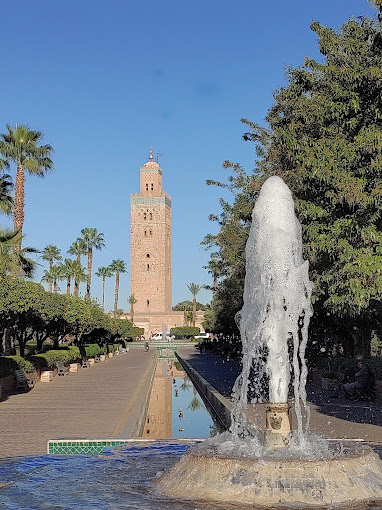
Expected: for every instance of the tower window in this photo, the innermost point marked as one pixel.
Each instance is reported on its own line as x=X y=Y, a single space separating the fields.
x=145 y=233
x=144 y=216
x=151 y=233
x=148 y=267
x=148 y=255
x=151 y=216
x=147 y=187
x=152 y=187
x=148 y=302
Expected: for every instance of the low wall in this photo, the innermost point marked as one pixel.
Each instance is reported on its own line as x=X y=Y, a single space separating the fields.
x=219 y=406
x=136 y=416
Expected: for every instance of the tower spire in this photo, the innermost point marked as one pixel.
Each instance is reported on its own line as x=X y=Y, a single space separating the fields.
x=151 y=154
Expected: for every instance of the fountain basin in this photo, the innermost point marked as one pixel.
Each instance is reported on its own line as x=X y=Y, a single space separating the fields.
x=352 y=475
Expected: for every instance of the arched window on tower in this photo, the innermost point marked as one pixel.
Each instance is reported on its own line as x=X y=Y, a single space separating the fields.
x=151 y=216
x=148 y=302
x=147 y=186
x=145 y=233
x=152 y=187
x=148 y=256
x=150 y=233
x=148 y=267
x=144 y=216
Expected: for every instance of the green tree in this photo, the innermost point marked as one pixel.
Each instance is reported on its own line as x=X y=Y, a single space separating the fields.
x=324 y=141
x=78 y=248
x=92 y=239
x=68 y=271
x=21 y=146
x=104 y=272
x=194 y=288
x=117 y=266
x=52 y=276
x=6 y=200
x=52 y=254
x=79 y=275
x=132 y=300
x=15 y=262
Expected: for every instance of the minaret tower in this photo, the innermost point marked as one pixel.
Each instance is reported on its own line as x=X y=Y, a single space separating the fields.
x=151 y=242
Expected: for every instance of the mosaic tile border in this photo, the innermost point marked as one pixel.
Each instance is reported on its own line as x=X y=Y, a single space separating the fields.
x=81 y=446
x=98 y=446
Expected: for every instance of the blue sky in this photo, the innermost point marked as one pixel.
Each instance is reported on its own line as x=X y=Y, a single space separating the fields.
x=105 y=80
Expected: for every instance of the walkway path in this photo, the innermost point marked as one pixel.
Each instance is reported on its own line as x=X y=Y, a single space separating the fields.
x=331 y=418
x=96 y=402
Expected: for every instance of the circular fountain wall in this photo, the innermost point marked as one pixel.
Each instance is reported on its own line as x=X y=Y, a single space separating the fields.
x=351 y=474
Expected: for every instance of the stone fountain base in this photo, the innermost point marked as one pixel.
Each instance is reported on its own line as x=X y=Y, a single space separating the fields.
x=352 y=475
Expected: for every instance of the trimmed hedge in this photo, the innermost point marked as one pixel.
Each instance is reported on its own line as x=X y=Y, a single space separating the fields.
x=184 y=331
x=10 y=363
x=48 y=359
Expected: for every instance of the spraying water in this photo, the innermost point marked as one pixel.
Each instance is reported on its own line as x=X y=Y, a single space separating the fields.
x=275 y=316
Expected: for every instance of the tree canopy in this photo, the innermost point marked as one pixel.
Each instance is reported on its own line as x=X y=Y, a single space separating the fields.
x=325 y=141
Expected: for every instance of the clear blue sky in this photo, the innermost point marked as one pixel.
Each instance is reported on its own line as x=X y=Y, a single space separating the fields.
x=105 y=80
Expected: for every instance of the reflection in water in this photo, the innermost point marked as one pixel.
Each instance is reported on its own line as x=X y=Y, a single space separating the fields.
x=175 y=408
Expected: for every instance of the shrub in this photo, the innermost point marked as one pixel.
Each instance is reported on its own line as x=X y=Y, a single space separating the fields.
x=48 y=359
x=92 y=350
x=184 y=331
x=10 y=363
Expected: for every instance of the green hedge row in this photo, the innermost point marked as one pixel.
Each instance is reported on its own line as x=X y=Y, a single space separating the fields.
x=10 y=363
x=184 y=331
x=48 y=359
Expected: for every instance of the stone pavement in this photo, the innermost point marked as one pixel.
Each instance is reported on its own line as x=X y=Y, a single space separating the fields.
x=336 y=419
x=95 y=402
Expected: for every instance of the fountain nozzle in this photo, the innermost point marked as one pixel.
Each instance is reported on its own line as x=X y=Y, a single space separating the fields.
x=278 y=427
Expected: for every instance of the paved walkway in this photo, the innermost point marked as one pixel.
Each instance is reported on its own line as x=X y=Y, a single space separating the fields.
x=95 y=402
x=340 y=419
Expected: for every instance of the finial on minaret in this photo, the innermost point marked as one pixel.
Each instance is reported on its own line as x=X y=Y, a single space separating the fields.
x=151 y=154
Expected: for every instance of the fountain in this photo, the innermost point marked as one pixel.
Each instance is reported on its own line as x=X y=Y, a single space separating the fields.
x=280 y=466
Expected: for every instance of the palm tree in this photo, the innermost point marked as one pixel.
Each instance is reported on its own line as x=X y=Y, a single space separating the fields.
x=21 y=146
x=92 y=239
x=194 y=288
x=195 y=403
x=79 y=275
x=52 y=275
x=6 y=200
x=67 y=272
x=117 y=266
x=104 y=272
x=15 y=262
x=131 y=299
x=52 y=254
x=78 y=248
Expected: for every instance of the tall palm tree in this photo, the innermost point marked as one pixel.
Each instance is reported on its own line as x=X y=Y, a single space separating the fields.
x=117 y=266
x=92 y=240
x=52 y=254
x=79 y=275
x=104 y=272
x=78 y=248
x=6 y=200
x=194 y=288
x=67 y=272
x=52 y=275
x=15 y=262
x=131 y=299
x=21 y=146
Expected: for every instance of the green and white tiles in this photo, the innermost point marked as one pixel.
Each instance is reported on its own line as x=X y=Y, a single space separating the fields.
x=81 y=446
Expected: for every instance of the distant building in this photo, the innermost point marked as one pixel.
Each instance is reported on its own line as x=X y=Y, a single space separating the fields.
x=151 y=253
